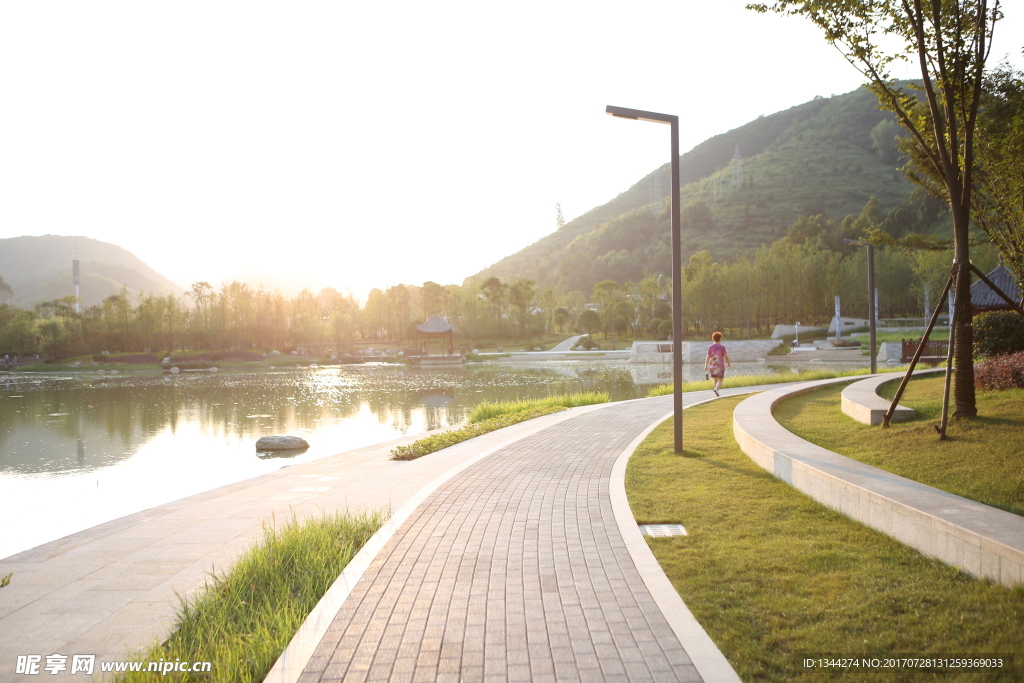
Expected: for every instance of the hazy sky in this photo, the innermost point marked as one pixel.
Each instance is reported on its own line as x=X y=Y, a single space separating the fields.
x=366 y=144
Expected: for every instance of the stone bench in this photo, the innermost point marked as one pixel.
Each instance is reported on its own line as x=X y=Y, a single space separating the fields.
x=861 y=401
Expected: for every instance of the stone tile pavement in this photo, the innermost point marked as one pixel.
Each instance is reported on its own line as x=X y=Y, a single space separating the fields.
x=513 y=570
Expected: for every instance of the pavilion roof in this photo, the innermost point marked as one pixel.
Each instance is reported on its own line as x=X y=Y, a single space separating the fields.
x=984 y=299
x=435 y=325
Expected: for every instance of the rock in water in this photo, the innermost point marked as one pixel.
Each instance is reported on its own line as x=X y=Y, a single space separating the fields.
x=281 y=443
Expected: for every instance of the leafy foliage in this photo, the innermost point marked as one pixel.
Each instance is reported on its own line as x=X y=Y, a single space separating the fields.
x=998 y=332
x=1001 y=372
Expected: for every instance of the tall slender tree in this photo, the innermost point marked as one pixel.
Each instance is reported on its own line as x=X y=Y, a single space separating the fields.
x=950 y=42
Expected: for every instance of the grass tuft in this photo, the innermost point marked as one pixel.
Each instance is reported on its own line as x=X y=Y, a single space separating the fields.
x=486 y=411
x=488 y=417
x=243 y=619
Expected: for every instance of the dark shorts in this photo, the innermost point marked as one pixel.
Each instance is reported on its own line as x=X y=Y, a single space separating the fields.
x=719 y=374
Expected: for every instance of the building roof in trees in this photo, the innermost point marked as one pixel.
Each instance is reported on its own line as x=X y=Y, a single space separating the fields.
x=435 y=325
x=984 y=299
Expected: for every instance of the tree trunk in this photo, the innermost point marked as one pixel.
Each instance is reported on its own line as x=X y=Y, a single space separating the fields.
x=963 y=354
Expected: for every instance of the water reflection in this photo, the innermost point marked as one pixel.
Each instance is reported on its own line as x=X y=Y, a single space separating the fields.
x=79 y=450
x=82 y=449
x=68 y=424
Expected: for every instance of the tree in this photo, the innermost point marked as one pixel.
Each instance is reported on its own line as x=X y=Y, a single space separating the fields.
x=590 y=321
x=520 y=295
x=496 y=292
x=998 y=196
x=431 y=297
x=559 y=218
x=999 y=205
x=950 y=41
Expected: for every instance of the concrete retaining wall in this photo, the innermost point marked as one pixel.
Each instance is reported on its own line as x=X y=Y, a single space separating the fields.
x=861 y=401
x=979 y=539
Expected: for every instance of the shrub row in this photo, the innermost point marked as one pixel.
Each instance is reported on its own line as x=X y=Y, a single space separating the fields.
x=1000 y=372
x=997 y=333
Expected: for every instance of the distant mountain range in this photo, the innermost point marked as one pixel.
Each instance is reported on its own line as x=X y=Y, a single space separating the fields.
x=740 y=190
x=40 y=269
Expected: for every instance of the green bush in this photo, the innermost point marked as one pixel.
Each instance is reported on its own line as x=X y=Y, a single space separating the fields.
x=665 y=329
x=1000 y=372
x=587 y=343
x=997 y=333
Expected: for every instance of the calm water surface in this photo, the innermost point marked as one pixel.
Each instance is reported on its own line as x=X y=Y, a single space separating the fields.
x=80 y=449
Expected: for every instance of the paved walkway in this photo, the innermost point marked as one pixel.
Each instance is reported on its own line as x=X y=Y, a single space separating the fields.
x=516 y=570
x=567 y=344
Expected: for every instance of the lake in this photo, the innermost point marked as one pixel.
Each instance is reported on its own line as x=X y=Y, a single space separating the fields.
x=79 y=449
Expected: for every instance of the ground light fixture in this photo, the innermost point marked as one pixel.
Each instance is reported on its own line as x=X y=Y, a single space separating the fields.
x=677 y=263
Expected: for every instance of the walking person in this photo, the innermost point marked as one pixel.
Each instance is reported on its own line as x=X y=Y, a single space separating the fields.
x=716 y=362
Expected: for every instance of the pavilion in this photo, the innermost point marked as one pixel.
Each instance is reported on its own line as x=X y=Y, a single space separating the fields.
x=437 y=328
x=984 y=299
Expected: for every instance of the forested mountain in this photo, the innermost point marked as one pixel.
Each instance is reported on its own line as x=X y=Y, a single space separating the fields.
x=39 y=269
x=740 y=190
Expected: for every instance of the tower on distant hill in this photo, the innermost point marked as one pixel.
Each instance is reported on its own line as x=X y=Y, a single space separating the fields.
x=737 y=168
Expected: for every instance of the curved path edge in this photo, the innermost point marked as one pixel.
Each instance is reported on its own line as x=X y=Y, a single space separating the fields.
x=709 y=661
x=979 y=539
x=861 y=401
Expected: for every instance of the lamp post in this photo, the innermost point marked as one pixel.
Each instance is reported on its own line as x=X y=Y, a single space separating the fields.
x=677 y=263
x=872 y=322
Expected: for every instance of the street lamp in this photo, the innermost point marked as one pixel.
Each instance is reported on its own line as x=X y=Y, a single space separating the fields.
x=677 y=263
x=871 y=300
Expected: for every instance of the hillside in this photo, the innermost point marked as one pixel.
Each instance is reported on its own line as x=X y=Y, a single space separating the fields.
x=39 y=269
x=816 y=158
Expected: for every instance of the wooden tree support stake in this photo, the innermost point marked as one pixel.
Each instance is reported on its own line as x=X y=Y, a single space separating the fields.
x=920 y=350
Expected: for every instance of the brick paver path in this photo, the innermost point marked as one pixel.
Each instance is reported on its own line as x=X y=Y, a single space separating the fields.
x=513 y=569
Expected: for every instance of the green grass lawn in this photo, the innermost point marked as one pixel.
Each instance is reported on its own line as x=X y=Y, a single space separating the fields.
x=769 y=378
x=981 y=459
x=772 y=575
x=938 y=334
